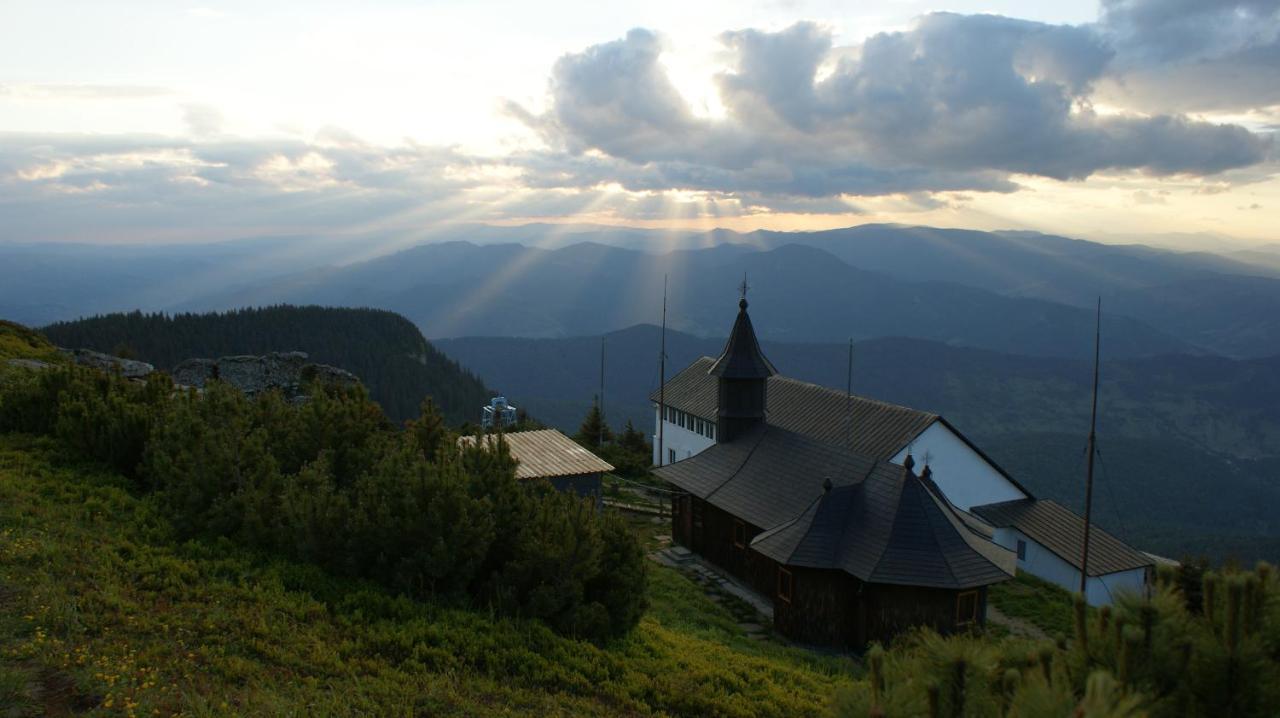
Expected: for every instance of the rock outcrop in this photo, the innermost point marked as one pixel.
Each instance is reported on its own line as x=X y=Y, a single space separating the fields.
x=289 y=372
x=128 y=368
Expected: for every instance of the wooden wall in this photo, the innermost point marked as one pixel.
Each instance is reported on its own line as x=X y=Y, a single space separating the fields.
x=827 y=607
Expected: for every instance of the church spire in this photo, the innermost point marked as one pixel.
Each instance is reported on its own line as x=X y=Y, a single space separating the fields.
x=742 y=358
x=743 y=371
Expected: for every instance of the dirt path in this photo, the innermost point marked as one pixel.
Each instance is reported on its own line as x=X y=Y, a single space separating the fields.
x=1017 y=626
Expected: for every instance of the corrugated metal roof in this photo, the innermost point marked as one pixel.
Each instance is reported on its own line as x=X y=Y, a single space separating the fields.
x=878 y=522
x=1061 y=530
x=868 y=427
x=546 y=453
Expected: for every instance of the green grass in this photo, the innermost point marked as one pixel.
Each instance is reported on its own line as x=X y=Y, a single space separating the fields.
x=1046 y=605
x=19 y=342
x=102 y=611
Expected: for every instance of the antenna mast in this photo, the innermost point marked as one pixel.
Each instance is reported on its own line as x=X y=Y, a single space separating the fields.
x=1093 y=439
x=603 y=426
x=848 y=396
x=662 y=376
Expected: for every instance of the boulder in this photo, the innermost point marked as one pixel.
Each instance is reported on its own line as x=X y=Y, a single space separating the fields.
x=288 y=372
x=33 y=364
x=128 y=368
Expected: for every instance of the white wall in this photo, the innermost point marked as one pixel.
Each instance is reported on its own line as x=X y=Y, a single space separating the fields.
x=1043 y=563
x=685 y=442
x=962 y=474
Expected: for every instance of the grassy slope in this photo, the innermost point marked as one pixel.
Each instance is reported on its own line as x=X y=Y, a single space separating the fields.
x=100 y=610
x=1039 y=602
x=19 y=342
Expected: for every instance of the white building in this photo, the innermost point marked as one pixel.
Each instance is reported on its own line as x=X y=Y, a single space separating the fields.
x=498 y=413
x=1042 y=532
x=1047 y=539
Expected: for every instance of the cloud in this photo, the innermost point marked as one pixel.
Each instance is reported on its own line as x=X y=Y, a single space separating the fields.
x=202 y=120
x=85 y=92
x=1192 y=55
x=88 y=186
x=955 y=103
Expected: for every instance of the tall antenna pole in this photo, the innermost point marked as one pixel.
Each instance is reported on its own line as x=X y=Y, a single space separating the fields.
x=662 y=376
x=602 y=423
x=848 y=396
x=1093 y=439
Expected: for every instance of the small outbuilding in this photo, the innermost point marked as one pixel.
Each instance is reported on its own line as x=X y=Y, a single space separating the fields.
x=550 y=455
x=1047 y=539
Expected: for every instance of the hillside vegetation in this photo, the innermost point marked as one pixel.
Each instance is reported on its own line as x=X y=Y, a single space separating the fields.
x=104 y=609
x=383 y=349
x=222 y=556
x=19 y=342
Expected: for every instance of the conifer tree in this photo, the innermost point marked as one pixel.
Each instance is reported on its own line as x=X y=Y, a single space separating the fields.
x=594 y=432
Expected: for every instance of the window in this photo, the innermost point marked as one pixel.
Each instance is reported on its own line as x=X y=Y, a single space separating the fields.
x=711 y=432
x=1022 y=550
x=784 y=584
x=671 y=456
x=966 y=608
x=739 y=534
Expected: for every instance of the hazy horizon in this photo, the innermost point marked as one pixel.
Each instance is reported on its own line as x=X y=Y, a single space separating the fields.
x=1123 y=121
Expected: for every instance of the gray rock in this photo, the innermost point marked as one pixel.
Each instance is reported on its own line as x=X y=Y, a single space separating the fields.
x=288 y=372
x=33 y=364
x=128 y=368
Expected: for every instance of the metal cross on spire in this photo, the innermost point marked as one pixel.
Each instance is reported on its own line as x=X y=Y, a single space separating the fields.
x=742 y=288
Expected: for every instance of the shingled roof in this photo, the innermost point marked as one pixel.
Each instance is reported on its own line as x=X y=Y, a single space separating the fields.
x=868 y=427
x=874 y=520
x=1061 y=530
x=742 y=358
x=547 y=453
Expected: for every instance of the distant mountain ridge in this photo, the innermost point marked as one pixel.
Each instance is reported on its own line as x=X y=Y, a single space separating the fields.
x=384 y=350
x=803 y=293
x=1010 y=291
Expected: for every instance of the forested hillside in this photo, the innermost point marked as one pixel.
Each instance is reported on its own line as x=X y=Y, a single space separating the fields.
x=383 y=349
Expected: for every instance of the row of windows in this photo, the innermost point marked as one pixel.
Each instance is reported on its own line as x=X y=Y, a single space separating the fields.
x=685 y=420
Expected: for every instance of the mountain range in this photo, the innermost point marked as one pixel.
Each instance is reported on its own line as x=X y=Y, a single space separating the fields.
x=1013 y=292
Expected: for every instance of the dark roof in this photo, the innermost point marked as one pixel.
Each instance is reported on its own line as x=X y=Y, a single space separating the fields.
x=742 y=358
x=546 y=453
x=879 y=429
x=878 y=522
x=1061 y=530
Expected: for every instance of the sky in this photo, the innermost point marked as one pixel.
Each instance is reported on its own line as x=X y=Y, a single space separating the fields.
x=1125 y=120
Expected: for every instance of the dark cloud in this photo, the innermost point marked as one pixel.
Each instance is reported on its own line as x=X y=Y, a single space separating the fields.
x=1193 y=55
x=956 y=103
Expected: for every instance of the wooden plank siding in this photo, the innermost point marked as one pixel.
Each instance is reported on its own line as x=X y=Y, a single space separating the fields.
x=826 y=607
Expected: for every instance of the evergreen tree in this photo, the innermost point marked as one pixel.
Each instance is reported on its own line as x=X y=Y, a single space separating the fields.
x=634 y=440
x=594 y=432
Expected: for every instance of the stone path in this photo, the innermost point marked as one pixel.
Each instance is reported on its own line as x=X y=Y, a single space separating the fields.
x=722 y=589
